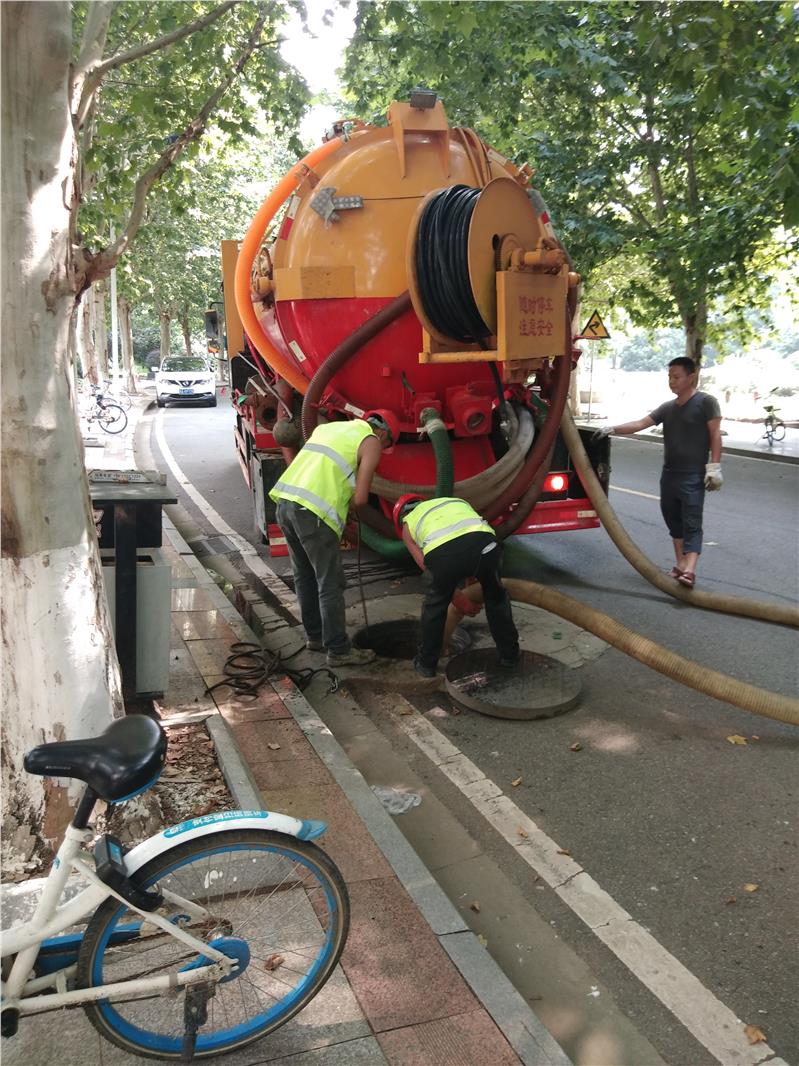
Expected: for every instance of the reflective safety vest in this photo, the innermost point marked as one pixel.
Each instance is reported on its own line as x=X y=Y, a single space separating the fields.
x=322 y=476
x=434 y=522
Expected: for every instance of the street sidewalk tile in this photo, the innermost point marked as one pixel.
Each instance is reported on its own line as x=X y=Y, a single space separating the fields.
x=238 y=709
x=395 y=964
x=209 y=655
x=467 y=1038
x=284 y=774
x=191 y=599
x=254 y=738
x=347 y=841
x=201 y=625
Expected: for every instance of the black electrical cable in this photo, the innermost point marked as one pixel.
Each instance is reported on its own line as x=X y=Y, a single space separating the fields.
x=442 y=265
x=250 y=666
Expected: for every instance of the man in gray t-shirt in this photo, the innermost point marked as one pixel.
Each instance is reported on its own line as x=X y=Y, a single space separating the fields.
x=691 y=432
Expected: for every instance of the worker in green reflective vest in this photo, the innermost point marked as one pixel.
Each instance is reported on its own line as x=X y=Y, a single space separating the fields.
x=451 y=542
x=331 y=472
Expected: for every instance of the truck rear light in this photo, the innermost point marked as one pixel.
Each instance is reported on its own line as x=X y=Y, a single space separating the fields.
x=556 y=483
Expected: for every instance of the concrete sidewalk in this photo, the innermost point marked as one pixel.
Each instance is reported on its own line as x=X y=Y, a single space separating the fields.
x=415 y=987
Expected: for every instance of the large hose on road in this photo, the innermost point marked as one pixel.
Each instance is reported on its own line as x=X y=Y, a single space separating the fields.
x=711 y=601
x=711 y=682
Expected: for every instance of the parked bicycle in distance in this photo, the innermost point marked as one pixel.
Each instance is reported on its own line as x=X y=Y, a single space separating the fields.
x=202 y=939
x=775 y=427
x=110 y=416
x=118 y=394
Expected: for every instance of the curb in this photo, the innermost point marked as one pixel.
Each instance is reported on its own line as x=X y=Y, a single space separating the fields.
x=522 y=1028
x=727 y=449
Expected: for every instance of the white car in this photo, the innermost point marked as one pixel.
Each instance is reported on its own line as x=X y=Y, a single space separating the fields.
x=184 y=377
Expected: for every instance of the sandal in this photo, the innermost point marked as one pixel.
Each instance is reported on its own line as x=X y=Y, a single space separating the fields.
x=675 y=572
x=687 y=578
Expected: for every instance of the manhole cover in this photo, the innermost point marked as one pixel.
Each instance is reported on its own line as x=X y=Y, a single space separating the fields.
x=539 y=687
x=399 y=639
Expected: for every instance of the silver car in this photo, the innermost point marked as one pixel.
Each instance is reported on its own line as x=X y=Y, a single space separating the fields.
x=185 y=377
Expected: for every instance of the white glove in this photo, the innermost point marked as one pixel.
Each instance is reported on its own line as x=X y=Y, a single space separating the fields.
x=713 y=477
x=601 y=433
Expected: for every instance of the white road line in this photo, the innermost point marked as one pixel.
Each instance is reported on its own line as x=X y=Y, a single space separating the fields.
x=632 y=492
x=249 y=555
x=708 y=1020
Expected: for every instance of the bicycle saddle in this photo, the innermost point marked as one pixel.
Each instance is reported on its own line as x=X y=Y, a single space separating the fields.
x=126 y=758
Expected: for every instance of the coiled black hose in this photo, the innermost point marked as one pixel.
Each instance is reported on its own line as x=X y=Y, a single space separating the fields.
x=442 y=265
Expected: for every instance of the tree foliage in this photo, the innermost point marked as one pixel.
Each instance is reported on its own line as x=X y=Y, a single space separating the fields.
x=662 y=132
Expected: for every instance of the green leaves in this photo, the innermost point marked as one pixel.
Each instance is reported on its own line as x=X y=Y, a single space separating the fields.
x=666 y=130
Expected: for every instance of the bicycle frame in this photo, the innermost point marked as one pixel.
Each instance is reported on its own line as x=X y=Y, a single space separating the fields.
x=51 y=917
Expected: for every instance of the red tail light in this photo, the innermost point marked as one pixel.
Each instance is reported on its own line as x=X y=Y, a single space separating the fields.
x=556 y=482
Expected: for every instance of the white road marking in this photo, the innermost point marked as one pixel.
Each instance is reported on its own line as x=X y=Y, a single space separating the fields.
x=249 y=555
x=707 y=1019
x=632 y=492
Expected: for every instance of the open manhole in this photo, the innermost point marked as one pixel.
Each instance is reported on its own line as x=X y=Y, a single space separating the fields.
x=538 y=687
x=399 y=639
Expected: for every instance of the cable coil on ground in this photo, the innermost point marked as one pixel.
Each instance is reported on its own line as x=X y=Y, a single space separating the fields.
x=250 y=666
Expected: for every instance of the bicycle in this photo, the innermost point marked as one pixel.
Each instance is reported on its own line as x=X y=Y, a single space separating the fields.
x=204 y=938
x=118 y=394
x=109 y=416
x=775 y=427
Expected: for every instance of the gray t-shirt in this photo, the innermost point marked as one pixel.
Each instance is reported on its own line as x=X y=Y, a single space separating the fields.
x=686 y=438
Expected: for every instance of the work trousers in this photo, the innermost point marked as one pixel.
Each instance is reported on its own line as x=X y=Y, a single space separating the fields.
x=445 y=568
x=682 y=501
x=315 y=553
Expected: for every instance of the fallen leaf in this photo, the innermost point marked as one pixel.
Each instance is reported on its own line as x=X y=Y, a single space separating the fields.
x=482 y=940
x=518 y=781
x=475 y=906
x=751 y=888
x=754 y=1034
x=576 y=746
x=732 y=899
x=563 y=851
x=736 y=738
x=273 y=747
x=271 y=962
x=405 y=708
x=522 y=832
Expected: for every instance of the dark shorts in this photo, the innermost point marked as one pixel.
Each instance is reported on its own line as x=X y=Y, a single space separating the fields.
x=682 y=500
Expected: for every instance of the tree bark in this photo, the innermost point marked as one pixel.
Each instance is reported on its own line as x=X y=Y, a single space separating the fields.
x=126 y=337
x=165 y=322
x=184 y=325
x=100 y=330
x=85 y=345
x=61 y=677
x=695 y=325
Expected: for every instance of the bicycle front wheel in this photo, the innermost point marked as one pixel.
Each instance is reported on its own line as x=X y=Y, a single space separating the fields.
x=778 y=431
x=279 y=905
x=112 y=418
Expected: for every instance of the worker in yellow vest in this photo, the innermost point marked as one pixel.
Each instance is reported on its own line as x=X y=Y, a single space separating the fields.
x=331 y=472
x=451 y=542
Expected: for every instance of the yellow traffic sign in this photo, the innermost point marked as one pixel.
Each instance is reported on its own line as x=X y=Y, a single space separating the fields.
x=594 y=329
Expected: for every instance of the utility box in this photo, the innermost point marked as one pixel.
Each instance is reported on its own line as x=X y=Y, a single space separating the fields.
x=153 y=615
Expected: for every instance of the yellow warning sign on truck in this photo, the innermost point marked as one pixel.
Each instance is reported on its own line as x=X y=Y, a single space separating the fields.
x=594 y=329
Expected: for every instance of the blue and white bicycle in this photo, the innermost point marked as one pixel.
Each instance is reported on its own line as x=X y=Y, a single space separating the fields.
x=200 y=940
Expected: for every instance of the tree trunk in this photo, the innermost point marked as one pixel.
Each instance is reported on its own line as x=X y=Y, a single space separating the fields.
x=165 y=321
x=61 y=678
x=126 y=338
x=695 y=325
x=184 y=325
x=100 y=329
x=85 y=344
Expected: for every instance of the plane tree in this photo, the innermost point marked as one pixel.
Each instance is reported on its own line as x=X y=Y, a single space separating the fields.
x=99 y=102
x=664 y=134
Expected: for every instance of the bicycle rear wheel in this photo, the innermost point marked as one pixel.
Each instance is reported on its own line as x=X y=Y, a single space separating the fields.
x=112 y=418
x=278 y=904
x=778 y=431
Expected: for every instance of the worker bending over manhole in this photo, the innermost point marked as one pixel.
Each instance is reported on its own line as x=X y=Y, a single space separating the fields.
x=450 y=541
